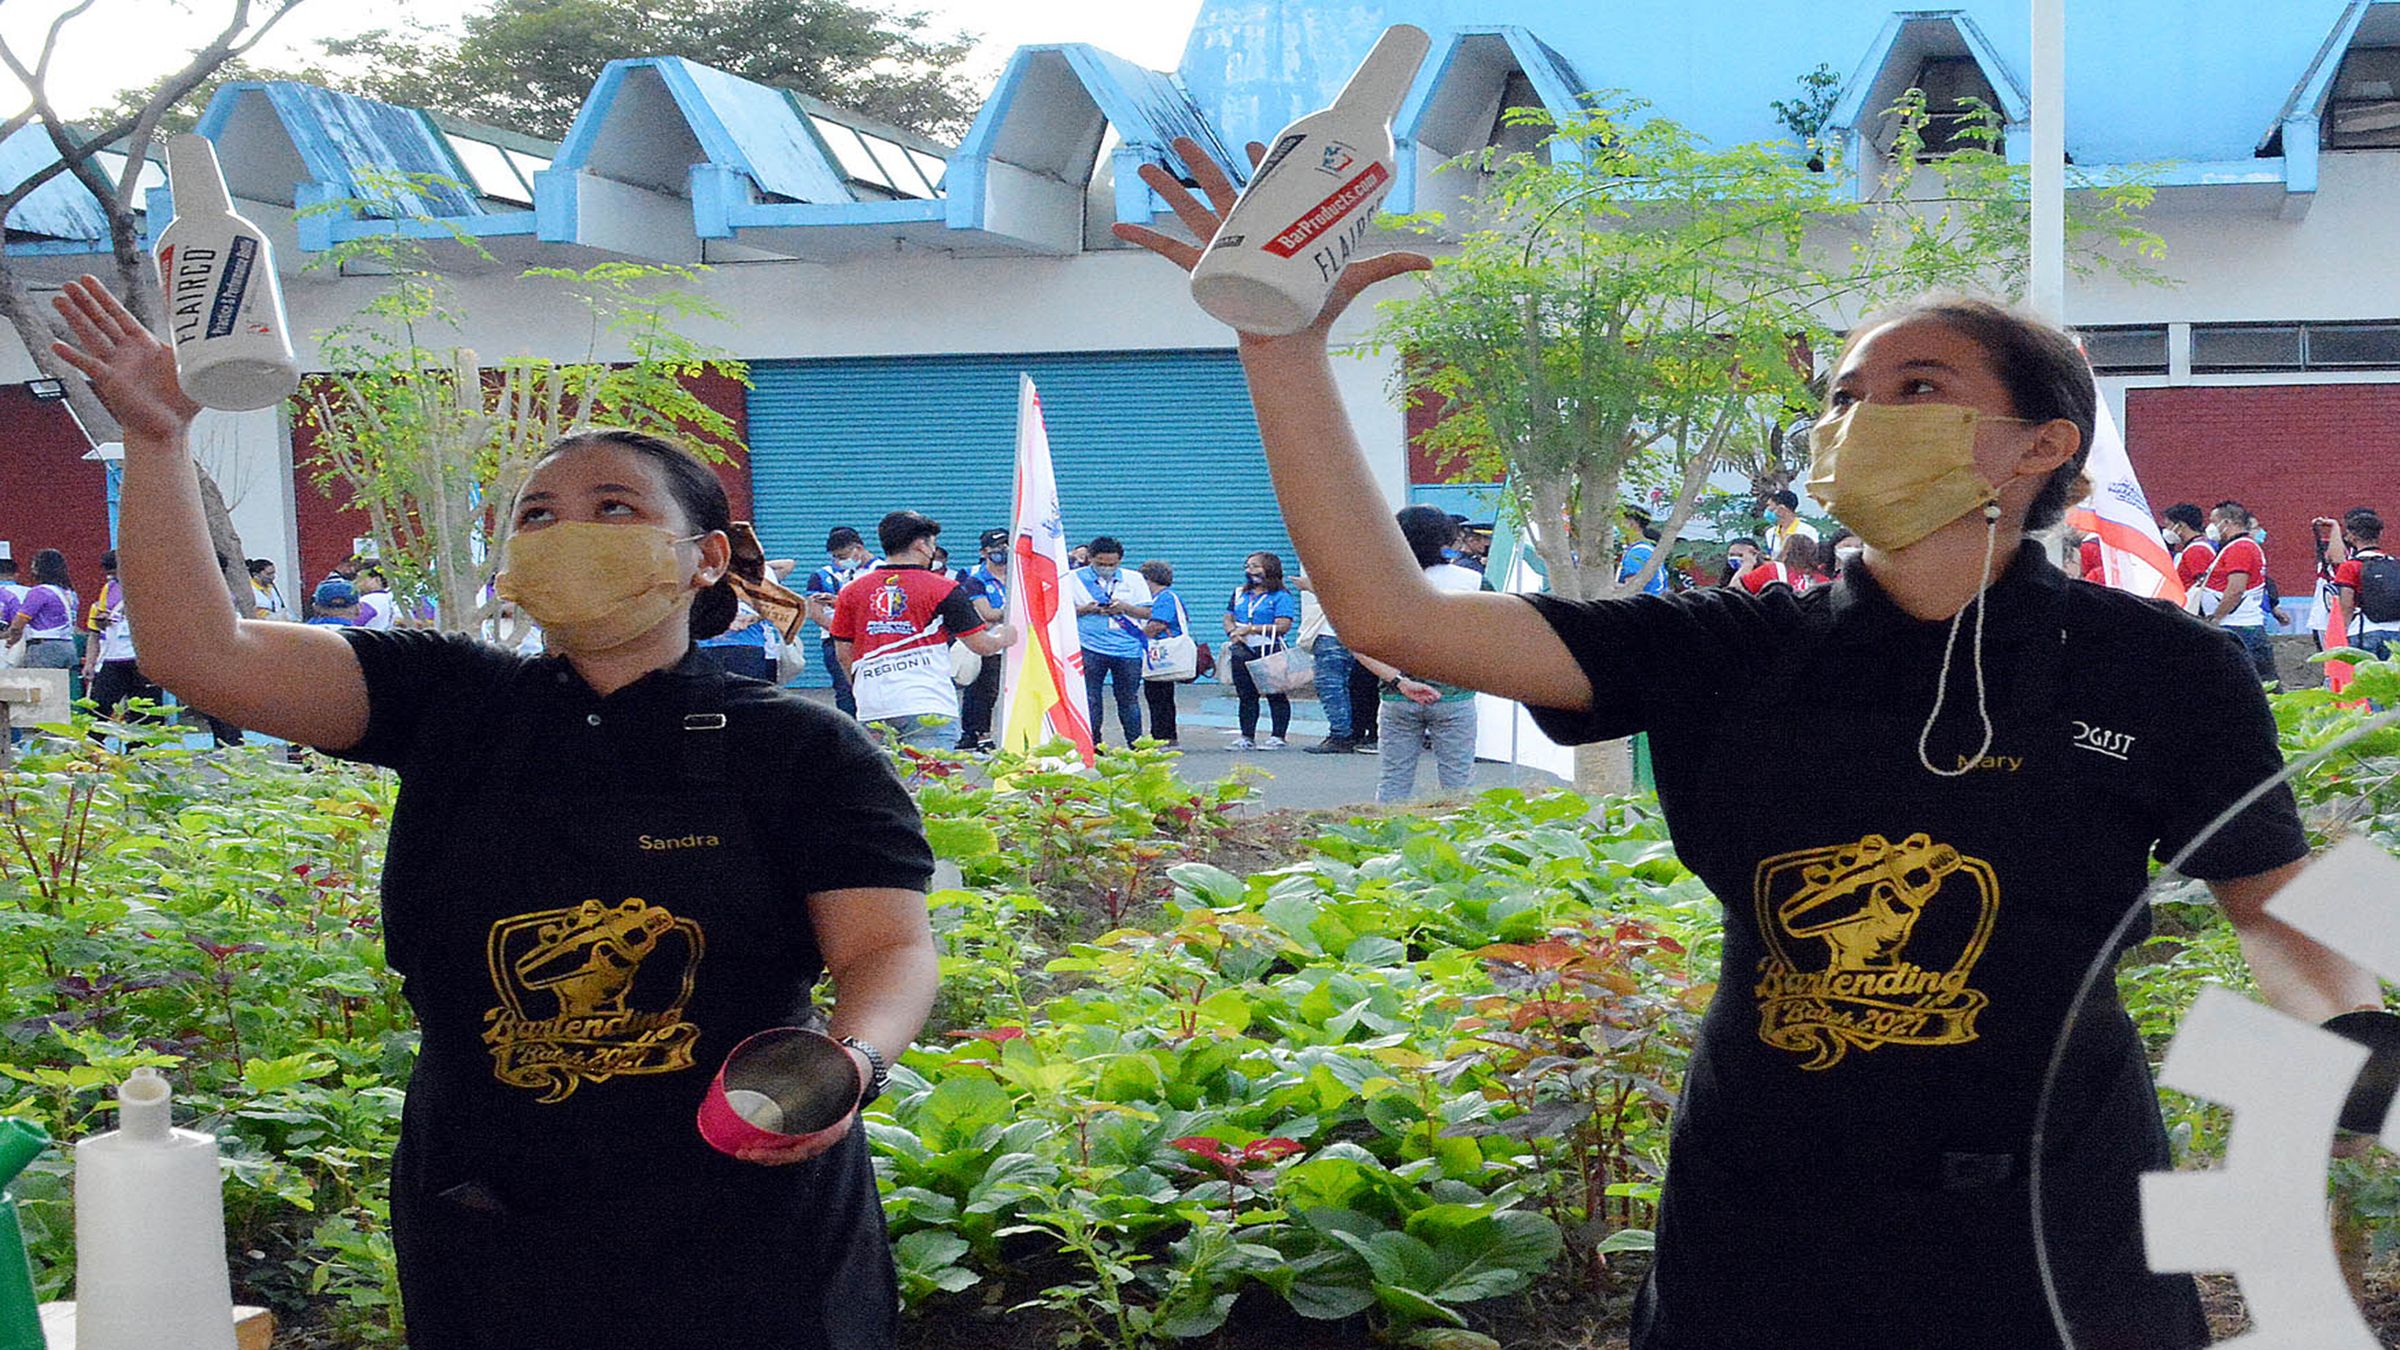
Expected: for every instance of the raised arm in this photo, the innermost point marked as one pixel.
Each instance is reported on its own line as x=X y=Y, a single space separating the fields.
x=288 y=680
x=1357 y=562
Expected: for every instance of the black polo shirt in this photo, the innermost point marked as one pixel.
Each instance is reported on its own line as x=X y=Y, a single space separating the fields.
x=1903 y=949
x=833 y=815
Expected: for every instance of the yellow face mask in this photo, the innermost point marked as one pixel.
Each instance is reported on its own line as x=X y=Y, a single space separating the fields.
x=1896 y=472
x=594 y=586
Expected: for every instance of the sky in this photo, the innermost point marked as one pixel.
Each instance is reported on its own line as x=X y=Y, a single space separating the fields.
x=121 y=43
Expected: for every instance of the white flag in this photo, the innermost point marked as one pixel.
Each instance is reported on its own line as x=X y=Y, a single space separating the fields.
x=2132 y=555
x=1041 y=677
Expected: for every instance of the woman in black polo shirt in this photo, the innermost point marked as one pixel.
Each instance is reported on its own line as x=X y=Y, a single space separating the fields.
x=585 y=895
x=1848 y=1165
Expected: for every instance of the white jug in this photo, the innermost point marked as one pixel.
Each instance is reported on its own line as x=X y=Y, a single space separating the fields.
x=150 y=1267
x=233 y=347
x=1311 y=200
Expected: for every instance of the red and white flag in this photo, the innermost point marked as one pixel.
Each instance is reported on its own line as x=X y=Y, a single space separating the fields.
x=1041 y=679
x=2133 y=556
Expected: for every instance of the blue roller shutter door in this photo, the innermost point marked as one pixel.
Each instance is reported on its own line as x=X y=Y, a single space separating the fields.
x=1157 y=448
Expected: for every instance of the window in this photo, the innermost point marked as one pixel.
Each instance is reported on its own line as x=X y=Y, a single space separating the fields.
x=1949 y=82
x=932 y=166
x=2231 y=346
x=2126 y=351
x=2353 y=346
x=856 y=162
x=489 y=171
x=2364 y=112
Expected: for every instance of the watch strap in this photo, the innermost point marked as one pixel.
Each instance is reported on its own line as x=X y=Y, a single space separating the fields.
x=880 y=1070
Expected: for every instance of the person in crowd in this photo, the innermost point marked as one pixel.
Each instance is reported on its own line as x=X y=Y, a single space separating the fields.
x=45 y=617
x=2186 y=533
x=1167 y=620
x=376 y=605
x=687 y=854
x=940 y=565
x=986 y=584
x=748 y=647
x=1334 y=666
x=1740 y=556
x=334 y=604
x=2365 y=578
x=1844 y=548
x=1422 y=712
x=1839 y=1178
x=1261 y=611
x=1784 y=522
x=1797 y=569
x=12 y=599
x=2237 y=590
x=892 y=629
x=111 y=674
x=1474 y=547
x=845 y=557
x=2088 y=562
x=1366 y=708
x=346 y=571
x=1640 y=546
x=1079 y=556
x=266 y=598
x=1111 y=605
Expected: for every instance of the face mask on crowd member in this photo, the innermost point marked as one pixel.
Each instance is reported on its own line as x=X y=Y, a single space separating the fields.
x=1106 y=556
x=1255 y=575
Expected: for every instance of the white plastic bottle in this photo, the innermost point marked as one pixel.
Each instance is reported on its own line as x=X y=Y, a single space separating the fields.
x=150 y=1268
x=1311 y=200
x=233 y=348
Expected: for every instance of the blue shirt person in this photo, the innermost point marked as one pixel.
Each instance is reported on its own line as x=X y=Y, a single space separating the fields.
x=1637 y=556
x=1111 y=604
x=846 y=556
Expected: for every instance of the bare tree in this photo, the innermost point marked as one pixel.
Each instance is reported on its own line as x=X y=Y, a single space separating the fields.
x=128 y=270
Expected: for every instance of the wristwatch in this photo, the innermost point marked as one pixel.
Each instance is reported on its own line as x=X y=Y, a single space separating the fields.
x=880 y=1074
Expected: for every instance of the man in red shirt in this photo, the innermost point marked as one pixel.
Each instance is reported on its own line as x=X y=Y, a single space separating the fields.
x=892 y=628
x=2186 y=534
x=2367 y=578
x=2236 y=587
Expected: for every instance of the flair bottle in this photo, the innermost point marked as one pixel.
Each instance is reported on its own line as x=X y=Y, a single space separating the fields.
x=233 y=348
x=1311 y=201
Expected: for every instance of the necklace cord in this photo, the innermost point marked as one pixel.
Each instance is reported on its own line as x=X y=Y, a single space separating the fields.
x=1983 y=711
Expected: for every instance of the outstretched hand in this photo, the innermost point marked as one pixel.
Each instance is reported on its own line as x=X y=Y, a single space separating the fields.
x=131 y=370
x=1203 y=218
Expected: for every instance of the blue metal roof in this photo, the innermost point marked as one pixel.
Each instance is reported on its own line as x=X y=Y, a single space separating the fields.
x=59 y=209
x=2194 y=80
x=750 y=128
x=346 y=141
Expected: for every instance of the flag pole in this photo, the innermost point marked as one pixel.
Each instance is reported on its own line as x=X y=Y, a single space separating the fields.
x=2046 y=286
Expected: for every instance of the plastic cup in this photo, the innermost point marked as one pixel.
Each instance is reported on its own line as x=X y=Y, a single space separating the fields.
x=780 y=1088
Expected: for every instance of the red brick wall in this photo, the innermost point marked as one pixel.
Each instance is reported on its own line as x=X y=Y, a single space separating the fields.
x=50 y=495
x=1425 y=411
x=328 y=524
x=2289 y=452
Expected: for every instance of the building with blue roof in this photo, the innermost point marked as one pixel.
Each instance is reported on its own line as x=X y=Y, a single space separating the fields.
x=887 y=288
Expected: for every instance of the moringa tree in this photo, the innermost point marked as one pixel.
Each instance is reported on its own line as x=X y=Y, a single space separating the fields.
x=430 y=443
x=1629 y=310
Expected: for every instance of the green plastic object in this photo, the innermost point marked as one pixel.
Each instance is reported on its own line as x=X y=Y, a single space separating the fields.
x=21 y=1141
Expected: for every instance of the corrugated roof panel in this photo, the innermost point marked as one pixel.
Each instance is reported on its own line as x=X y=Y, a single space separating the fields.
x=763 y=131
x=346 y=139
x=1149 y=107
x=59 y=209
